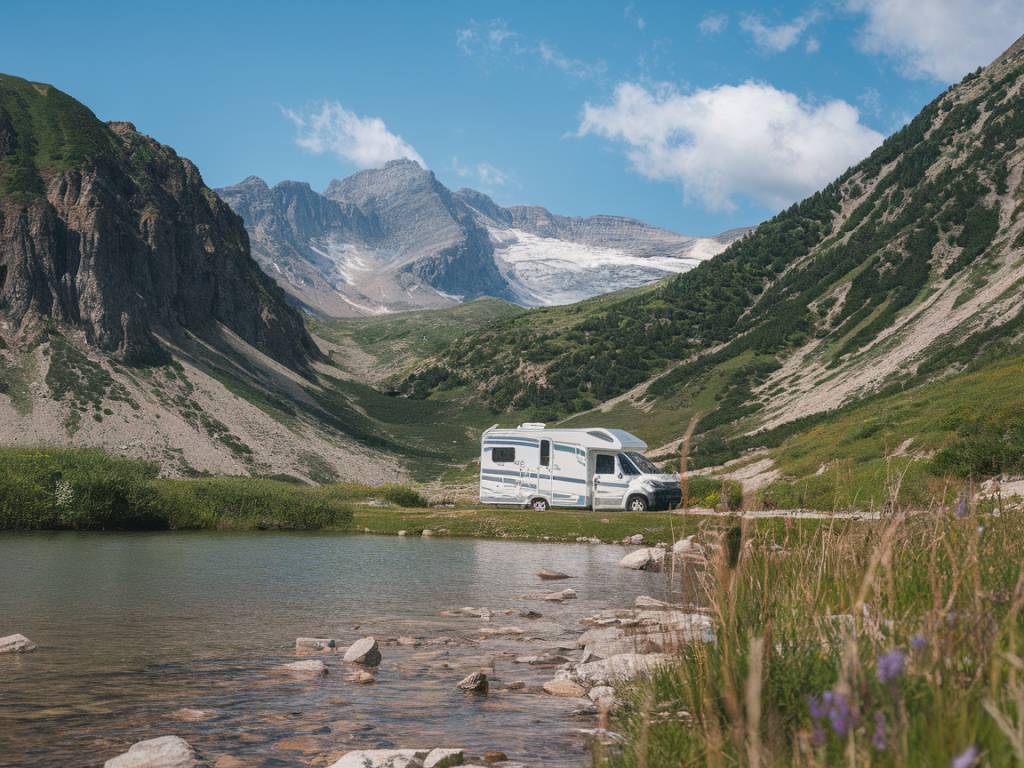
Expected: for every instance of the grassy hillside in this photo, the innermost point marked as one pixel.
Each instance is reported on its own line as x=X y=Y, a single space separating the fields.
x=378 y=347
x=905 y=269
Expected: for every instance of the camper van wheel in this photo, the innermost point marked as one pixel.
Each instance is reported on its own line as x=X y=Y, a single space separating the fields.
x=539 y=505
x=637 y=504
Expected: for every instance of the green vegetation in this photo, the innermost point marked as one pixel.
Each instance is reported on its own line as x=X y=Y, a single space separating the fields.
x=934 y=437
x=396 y=344
x=91 y=490
x=885 y=644
x=49 y=131
x=83 y=383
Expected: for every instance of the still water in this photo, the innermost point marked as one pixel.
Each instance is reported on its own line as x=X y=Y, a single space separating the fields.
x=133 y=627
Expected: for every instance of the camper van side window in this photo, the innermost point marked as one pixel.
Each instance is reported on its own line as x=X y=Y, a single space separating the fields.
x=605 y=464
x=545 y=453
x=501 y=455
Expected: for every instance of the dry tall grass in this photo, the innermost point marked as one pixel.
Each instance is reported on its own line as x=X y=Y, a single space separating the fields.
x=884 y=643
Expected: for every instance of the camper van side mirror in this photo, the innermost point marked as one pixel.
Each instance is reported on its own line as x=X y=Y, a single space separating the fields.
x=619 y=475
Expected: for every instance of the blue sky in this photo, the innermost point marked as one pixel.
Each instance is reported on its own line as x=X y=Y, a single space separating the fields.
x=694 y=116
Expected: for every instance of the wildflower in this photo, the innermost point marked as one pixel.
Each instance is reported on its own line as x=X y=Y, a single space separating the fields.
x=961 y=507
x=891 y=665
x=878 y=738
x=917 y=642
x=841 y=717
x=965 y=759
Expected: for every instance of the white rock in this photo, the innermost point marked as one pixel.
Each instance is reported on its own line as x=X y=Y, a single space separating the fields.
x=476 y=681
x=638 y=560
x=401 y=758
x=162 y=752
x=16 y=644
x=644 y=601
x=364 y=651
x=636 y=538
x=624 y=666
x=427 y=533
x=308 y=667
x=315 y=643
x=402 y=533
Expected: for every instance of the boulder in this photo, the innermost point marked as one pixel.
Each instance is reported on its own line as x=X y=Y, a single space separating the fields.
x=315 y=644
x=564 y=688
x=636 y=538
x=311 y=667
x=604 y=697
x=402 y=533
x=645 y=559
x=364 y=651
x=494 y=756
x=162 y=752
x=362 y=677
x=427 y=533
x=476 y=682
x=16 y=644
x=552 y=575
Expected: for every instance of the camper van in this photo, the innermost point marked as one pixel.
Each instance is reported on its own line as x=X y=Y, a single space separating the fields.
x=598 y=468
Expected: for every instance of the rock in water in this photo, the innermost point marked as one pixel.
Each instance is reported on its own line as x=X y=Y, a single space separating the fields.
x=552 y=575
x=565 y=688
x=476 y=682
x=315 y=644
x=401 y=758
x=16 y=644
x=362 y=677
x=162 y=752
x=364 y=651
x=312 y=667
x=646 y=559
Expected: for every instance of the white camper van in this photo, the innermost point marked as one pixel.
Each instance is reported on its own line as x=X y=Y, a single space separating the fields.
x=531 y=465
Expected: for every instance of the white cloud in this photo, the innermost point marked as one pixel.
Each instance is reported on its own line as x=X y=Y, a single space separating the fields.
x=572 y=67
x=487 y=175
x=713 y=23
x=779 y=37
x=634 y=17
x=494 y=40
x=941 y=39
x=329 y=128
x=751 y=140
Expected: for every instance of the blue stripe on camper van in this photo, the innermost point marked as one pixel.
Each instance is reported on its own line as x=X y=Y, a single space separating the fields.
x=534 y=475
x=509 y=441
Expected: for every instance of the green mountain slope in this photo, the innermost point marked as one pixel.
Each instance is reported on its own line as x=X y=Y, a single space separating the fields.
x=906 y=268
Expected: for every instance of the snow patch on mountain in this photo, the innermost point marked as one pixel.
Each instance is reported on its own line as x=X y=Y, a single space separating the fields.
x=546 y=271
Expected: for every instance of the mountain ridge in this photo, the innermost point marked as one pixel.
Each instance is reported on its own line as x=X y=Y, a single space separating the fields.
x=402 y=240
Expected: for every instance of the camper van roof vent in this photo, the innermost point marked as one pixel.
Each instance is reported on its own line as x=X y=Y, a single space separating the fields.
x=532 y=425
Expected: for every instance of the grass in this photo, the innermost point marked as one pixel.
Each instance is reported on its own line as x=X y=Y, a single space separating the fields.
x=848 y=460
x=87 y=489
x=895 y=643
x=398 y=343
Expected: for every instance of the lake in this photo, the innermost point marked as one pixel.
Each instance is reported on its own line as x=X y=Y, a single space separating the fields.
x=132 y=627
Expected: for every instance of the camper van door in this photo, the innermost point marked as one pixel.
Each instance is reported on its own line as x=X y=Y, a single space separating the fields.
x=608 y=486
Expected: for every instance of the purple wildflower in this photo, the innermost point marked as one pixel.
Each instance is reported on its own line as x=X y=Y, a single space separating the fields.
x=961 y=507
x=917 y=642
x=891 y=665
x=878 y=738
x=817 y=707
x=965 y=759
x=841 y=717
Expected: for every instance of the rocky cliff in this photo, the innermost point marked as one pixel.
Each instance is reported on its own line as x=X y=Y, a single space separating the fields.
x=107 y=230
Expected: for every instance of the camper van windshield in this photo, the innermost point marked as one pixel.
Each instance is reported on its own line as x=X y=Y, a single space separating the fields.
x=642 y=463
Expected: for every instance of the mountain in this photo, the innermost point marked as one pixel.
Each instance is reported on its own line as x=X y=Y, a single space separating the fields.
x=395 y=238
x=107 y=230
x=907 y=269
x=133 y=317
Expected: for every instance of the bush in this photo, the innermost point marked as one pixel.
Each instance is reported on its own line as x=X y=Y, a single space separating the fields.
x=403 y=496
x=707 y=492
